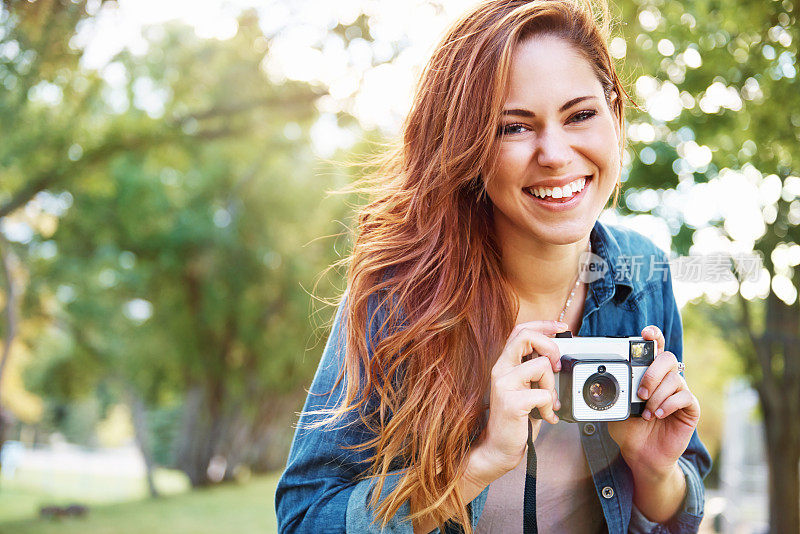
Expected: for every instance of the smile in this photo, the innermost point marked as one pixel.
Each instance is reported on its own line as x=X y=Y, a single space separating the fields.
x=571 y=194
x=563 y=193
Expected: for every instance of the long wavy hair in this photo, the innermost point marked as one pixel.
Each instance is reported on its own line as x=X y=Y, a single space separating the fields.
x=425 y=253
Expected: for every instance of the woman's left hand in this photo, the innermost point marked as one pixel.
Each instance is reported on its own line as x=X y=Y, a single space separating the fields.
x=653 y=443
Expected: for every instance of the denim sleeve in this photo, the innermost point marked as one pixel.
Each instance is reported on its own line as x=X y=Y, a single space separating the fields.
x=695 y=461
x=323 y=488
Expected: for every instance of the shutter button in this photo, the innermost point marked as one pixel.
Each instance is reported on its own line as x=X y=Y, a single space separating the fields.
x=608 y=492
x=588 y=429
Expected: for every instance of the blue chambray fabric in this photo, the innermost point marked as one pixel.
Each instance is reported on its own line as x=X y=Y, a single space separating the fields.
x=323 y=489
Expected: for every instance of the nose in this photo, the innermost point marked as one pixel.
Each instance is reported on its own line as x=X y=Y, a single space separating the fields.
x=553 y=150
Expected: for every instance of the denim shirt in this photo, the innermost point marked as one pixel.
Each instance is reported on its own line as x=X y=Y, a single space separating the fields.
x=323 y=488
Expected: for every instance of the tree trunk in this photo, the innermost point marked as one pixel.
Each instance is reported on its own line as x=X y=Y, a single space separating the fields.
x=192 y=455
x=239 y=430
x=779 y=393
x=272 y=433
x=142 y=433
x=204 y=429
x=783 y=459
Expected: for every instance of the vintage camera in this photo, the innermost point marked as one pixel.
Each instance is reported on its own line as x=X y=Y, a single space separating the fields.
x=600 y=377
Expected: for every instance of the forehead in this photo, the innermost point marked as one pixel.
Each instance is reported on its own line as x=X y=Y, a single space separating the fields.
x=548 y=69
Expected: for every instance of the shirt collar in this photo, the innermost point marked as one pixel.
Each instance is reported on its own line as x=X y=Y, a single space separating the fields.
x=614 y=282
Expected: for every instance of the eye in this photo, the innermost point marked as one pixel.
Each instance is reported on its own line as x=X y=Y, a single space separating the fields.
x=510 y=129
x=583 y=115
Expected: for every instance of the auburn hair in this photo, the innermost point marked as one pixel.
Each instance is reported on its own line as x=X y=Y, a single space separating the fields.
x=425 y=254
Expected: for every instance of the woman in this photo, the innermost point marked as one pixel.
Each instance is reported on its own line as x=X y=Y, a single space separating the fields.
x=465 y=262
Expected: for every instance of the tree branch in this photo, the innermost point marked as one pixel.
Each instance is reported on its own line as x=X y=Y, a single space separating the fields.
x=242 y=107
x=24 y=195
x=57 y=174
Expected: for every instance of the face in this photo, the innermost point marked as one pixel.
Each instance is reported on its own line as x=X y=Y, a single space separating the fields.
x=559 y=152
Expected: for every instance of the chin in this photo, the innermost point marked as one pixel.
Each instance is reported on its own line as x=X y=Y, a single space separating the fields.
x=566 y=235
x=569 y=240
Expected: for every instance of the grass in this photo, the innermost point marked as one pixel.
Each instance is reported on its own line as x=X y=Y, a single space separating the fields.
x=240 y=508
x=22 y=495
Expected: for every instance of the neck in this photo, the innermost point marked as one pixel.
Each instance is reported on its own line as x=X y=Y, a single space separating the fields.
x=541 y=274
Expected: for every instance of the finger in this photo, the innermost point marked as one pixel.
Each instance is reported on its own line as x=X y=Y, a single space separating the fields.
x=682 y=400
x=542 y=344
x=663 y=364
x=525 y=401
x=548 y=328
x=536 y=373
x=653 y=333
x=671 y=384
x=527 y=341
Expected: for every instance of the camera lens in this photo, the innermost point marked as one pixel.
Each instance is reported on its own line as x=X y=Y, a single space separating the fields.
x=601 y=391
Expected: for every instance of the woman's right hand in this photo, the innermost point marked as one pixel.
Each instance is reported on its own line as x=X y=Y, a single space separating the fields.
x=518 y=387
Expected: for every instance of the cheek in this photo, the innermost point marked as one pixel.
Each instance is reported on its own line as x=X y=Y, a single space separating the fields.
x=615 y=161
x=509 y=165
x=494 y=173
x=606 y=154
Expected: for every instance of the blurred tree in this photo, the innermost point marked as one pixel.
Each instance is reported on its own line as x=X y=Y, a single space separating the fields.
x=46 y=122
x=175 y=271
x=164 y=217
x=717 y=82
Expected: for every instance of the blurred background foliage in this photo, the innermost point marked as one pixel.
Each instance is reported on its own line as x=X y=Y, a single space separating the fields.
x=164 y=223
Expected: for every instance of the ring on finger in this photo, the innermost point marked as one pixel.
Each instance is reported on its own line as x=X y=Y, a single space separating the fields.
x=681 y=367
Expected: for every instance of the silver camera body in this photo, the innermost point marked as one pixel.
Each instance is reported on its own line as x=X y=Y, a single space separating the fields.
x=600 y=377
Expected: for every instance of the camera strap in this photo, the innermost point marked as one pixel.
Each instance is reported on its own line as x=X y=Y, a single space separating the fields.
x=529 y=502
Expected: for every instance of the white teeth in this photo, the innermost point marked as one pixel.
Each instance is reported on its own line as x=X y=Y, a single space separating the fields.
x=559 y=192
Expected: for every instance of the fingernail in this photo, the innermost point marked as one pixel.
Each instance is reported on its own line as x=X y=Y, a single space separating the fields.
x=562 y=324
x=659 y=413
x=642 y=393
x=558 y=404
x=646 y=415
x=555 y=418
x=558 y=366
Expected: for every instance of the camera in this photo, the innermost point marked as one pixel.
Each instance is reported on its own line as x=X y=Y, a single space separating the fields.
x=600 y=377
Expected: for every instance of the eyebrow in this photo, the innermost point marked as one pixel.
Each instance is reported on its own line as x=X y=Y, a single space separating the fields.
x=526 y=113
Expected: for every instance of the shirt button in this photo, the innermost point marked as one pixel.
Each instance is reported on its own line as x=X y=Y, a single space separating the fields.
x=588 y=429
x=608 y=492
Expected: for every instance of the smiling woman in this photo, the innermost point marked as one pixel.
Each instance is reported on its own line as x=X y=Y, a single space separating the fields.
x=419 y=415
x=559 y=134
